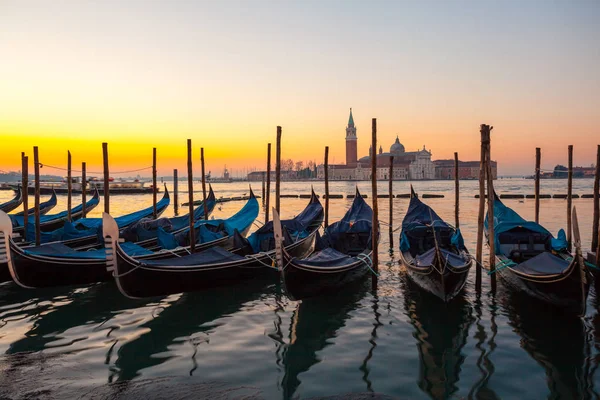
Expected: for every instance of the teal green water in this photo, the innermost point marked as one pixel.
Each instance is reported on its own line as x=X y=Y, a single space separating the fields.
x=251 y=341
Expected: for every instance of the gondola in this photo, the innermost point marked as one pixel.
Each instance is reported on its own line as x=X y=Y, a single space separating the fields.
x=145 y=233
x=53 y=222
x=87 y=231
x=252 y=257
x=531 y=260
x=45 y=207
x=342 y=255
x=56 y=264
x=14 y=203
x=433 y=251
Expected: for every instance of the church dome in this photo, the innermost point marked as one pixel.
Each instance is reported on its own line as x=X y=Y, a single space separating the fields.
x=397 y=147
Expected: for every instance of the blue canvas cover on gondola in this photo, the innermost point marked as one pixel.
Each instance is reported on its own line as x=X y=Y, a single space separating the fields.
x=418 y=226
x=297 y=228
x=241 y=221
x=147 y=228
x=67 y=232
x=178 y=223
x=17 y=220
x=345 y=239
x=358 y=219
x=506 y=219
x=64 y=251
x=328 y=257
x=309 y=214
x=420 y=214
x=125 y=220
x=560 y=242
x=543 y=264
x=86 y=227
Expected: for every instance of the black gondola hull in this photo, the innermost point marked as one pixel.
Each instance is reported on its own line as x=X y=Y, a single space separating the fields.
x=14 y=203
x=446 y=285
x=34 y=271
x=562 y=291
x=38 y=271
x=138 y=282
x=4 y=272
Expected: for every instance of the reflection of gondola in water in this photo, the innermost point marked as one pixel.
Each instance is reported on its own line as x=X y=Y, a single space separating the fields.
x=51 y=318
x=186 y=318
x=441 y=331
x=314 y=323
x=556 y=341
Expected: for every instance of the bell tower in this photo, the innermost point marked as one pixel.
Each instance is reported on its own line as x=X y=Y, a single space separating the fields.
x=351 y=142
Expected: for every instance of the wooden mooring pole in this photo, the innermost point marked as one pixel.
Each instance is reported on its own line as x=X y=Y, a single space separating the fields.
x=25 y=192
x=83 y=190
x=375 y=222
x=485 y=139
x=490 y=203
x=191 y=195
x=204 y=205
x=263 y=189
x=278 y=172
x=570 y=198
x=69 y=186
x=154 y=188
x=456 y=193
x=596 y=221
x=175 y=192
x=36 y=168
x=268 y=193
x=326 y=186
x=106 y=178
x=391 y=198
x=538 y=161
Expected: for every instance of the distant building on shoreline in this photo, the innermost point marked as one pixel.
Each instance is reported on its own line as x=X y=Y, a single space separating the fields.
x=408 y=165
x=444 y=169
x=415 y=165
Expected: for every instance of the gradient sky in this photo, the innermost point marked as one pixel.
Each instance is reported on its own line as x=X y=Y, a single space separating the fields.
x=140 y=74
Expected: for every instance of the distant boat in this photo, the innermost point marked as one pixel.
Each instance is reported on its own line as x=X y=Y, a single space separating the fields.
x=120 y=186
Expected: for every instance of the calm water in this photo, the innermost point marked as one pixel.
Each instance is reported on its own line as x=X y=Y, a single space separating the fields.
x=251 y=341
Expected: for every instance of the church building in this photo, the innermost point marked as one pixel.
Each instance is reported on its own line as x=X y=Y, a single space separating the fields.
x=408 y=165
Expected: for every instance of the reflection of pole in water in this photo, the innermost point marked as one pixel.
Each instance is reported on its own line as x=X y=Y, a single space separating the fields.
x=480 y=389
x=376 y=324
x=314 y=322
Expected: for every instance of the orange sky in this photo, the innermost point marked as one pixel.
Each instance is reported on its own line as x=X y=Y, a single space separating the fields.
x=143 y=75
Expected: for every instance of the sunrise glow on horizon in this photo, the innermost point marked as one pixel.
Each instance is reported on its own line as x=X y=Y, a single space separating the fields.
x=140 y=75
